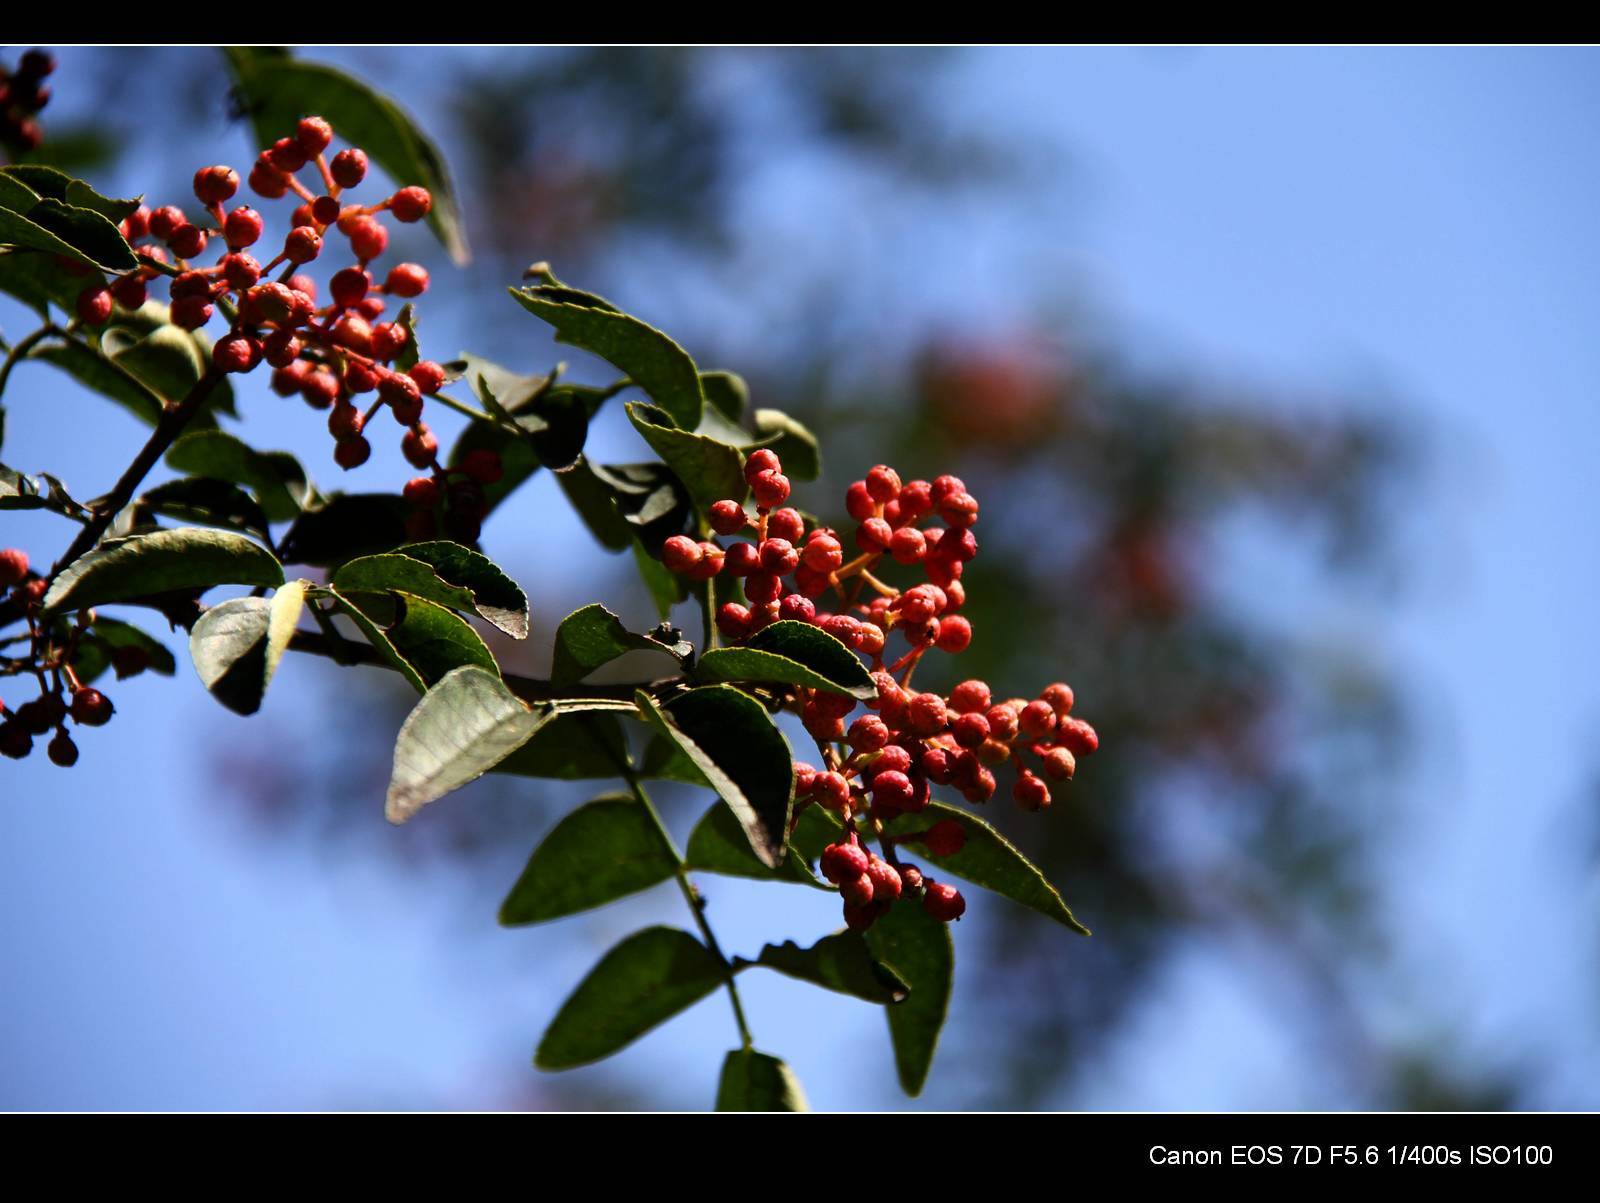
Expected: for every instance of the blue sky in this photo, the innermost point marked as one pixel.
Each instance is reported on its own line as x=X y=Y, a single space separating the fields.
x=1419 y=220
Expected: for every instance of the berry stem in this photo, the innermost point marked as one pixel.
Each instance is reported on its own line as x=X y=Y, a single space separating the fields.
x=692 y=896
x=20 y=352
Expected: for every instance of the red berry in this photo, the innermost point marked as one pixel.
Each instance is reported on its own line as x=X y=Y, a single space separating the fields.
x=868 y=734
x=281 y=348
x=371 y=308
x=410 y=204
x=680 y=554
x=762 y=587
x=778 y=556
x=727 y=517
x=1060 y=698
x=187 y=241
x=213 y=185
x=165 y=221
x=1030 y=791
x=353 y=332
x=955 y=634
x=859 y=918
x=970 y=730
x=786 y=524
x=832 y=791
x=325 y=211
x=351 y=452
x=313 y=134
x=348 y=286
x=943 y=902
x=858 y=502
x=406 y=280
x=90 y=707
x=428 y=376
x=796 y=607
x=1037 y=720
x=368 y=238
x=240 y=270
x=1002 y=721
x=287 y=156
x=267 y=181
x=759 y=461
x=15 y=740
x=419 y=447
x=733 y=620
x=711 y=559
x=94 y=305
x=742 y=559
x=840 y=862
x=1078 y=736
x=857 y=890
x=885 y=879
x=345 y=422
x=236 y=353
x=319 y=387
x=1060 y=764
x=302 y=245
x=907 y=545
x=874 y=535
x=131 y=291
x=770 y=489
x=421 y=491
x=387 y=340
x=62 y=750
x=883 y=483
x=927 y=714
x=13 y=566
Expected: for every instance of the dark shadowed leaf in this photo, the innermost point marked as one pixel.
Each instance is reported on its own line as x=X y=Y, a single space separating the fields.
x=276 y=478
x=595 y=502
x=840 y=962
x=194 y=499
x=796 y=653
x=731 y=739
x=594 y=636
x=918 y=947
x=464 y=726
x=753 y=1081
x=345 y=526
x=62 y=229
x=602 y=851
x=161 y=562
x=644 y=981
x=648 y=357
x=432 y=640
x=44 y=180
x=277 y=90
x=573 y=746
x=727 y=393
x=989 y=860
x=236 y=645
x=109 y=635
x=718 y=844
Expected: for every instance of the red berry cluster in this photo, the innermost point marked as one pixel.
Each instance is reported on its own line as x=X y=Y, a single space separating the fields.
x=882 y=764
x=23 y=93
x=61 y=694
x=330 y=354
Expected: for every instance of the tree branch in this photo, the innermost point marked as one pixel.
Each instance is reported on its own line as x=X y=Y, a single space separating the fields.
x=171 y=424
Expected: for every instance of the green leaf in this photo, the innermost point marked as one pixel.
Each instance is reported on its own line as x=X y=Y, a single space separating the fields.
x=595 y=502
x=464 y=726
x=194 y=499
x=62 y=229
x=604 y=850
x=710 y=468
x=840 y=962
x=167 y=359
x=989 y=860
x=718 y=844
x=920 y=950
x=277 y=90
x=432 y=640
x=792 y=441
x=551 y=419
x=107 y=635
x=38 y=280
x=727 y=393
x=594 y=636
x=573 y=746
x=795 y=653
x=344 y=526
x=44 y=181
x=495 y=596
x=648 y=357
x=276 y=478
x=236 y=645
x=731 y=739
x=753 y=1081
x=642 y=982
x=399 y=572
x=161 y=562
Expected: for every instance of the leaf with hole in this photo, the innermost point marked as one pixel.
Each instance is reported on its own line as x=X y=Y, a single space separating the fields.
x=642 y=982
